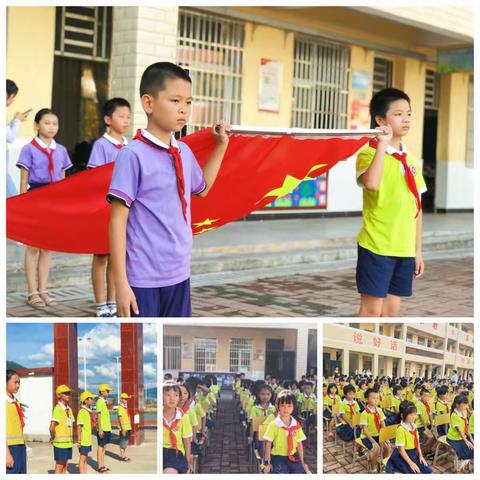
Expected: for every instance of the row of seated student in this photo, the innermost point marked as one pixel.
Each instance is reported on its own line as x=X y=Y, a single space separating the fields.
x=420 y=416
x=189 y=412
x=278 y=419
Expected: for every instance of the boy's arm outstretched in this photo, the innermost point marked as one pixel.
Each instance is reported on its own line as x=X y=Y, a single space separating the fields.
x=211 y=168
x=118 y=250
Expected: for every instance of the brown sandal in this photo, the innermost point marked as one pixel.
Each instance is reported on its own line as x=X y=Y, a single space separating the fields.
x=35 y=300
x=49 y=301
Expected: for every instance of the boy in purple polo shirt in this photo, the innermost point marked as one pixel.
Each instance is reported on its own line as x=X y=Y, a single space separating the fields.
x=42 y=161
x=153 y=180
x=116 y=117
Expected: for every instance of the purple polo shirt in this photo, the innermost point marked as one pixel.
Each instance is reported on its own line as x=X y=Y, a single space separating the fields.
x=104 y=151
x=159 y=241
x=36 y=162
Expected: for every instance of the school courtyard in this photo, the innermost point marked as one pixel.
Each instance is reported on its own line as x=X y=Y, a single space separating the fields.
x=288 y=267
x=40 y=457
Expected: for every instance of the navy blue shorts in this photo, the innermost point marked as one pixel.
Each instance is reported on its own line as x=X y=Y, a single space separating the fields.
x=396 y=463
x=171 y=301
x=62 y=454
x=345 y=432
x=368 y=443
x=124 y=439
x=85 y=450
x=281 y=464
x=461 y=449
x=19 y=454
x=107 y=437
x=172 y=459
x=380 y=275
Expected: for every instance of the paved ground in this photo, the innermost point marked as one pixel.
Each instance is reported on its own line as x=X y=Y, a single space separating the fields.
x=335 y=461
x=144 y=457
x=227 y=452
x=446 y=290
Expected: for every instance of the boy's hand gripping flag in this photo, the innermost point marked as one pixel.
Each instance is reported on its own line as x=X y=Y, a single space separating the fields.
x=259 y=166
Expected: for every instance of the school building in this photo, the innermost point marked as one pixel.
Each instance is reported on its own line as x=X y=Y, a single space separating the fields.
x=285 y=352
x=314 y=67
x=399 y=349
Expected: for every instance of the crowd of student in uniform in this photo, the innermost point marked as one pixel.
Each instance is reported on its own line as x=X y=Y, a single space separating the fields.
x=189 y=410
x=153 y=180
x=64 y=427
x=287 y=409
x=421 y=416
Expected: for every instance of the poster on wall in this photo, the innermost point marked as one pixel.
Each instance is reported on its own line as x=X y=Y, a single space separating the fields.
x=362 y=84
x=309 y=194
x=270 y=85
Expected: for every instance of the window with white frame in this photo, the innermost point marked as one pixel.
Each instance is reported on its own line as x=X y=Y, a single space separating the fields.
x=432 y=89
x=205 y=354
x=210 y=48
x=240 y=354
x=320 y=84
x=172 y=352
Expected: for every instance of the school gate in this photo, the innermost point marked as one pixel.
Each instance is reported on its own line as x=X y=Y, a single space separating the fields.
x=66 y=370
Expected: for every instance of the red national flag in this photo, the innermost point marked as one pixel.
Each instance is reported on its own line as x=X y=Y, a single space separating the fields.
x=259 y=167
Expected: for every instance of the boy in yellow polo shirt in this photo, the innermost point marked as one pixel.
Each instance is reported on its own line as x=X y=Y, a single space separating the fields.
x=104 y=426
x=85 y=423
x=16 y=449
x=372 y=420
x=125 y=426
x=390 y=241
x=61 y=429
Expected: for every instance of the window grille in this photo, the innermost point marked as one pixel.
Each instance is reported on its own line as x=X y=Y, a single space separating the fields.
x=240 y=354
x=172 y=352
x=432 y=89
x=205 y=354
x=320 y=84
x=382 y=74
x=210 y=47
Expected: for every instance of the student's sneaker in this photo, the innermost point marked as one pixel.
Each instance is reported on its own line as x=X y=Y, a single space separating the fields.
x=113 y=312
x=104 y=313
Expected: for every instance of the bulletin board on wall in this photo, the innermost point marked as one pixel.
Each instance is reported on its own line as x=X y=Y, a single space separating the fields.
x=310 y=194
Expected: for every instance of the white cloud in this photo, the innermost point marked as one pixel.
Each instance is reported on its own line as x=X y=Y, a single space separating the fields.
x=43 y=356
x=150 y=370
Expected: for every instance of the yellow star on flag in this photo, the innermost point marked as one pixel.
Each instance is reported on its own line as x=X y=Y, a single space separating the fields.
x=207 y=222
x=291 y=183
x=204 y=230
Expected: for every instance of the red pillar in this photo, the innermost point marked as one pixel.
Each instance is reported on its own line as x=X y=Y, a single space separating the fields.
x=65 y=369
x=132 y=376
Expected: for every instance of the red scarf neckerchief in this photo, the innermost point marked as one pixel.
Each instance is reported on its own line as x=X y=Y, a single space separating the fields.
x=171 y=428
x=427 y=406
x=90 y=413
x=376 y=416
x=177 y=163
x=291 y=446
x=352 y=410
x=185 y=408
x=465 y=424
x=334 y=400
x=409 y=176
x=20 y=413
x=49 y=153
x=415 y=437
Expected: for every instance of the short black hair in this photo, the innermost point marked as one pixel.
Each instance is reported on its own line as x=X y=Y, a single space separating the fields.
x=10 y=374
x=396 y=389
x=406 y=408
x=112 y=104
x=12 y=88
x=443 y=390
x=154 y=76
x=368 y=392
x=380 y=103
x=348 y=388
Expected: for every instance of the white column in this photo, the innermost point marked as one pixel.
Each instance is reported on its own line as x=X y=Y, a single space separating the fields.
x=141 y=36
x=301 y=352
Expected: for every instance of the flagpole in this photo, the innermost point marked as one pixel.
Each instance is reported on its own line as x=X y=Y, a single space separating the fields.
x=302 y=132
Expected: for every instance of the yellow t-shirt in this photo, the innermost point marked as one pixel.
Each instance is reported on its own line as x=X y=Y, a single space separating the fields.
x=441 y=408
x=307 y=404
x=330 y=401
x=389 y=224
x=256 y=411
x=396 y=404
x=124 y=418
x=182 y=430
x=368 y=419
x=63 y=417
x=456 y=421
x=83 y=419
x=345 y=410
x=471 y=424
x=101 y=407
x=14 y=426
x=404 y=437
x=276 y=434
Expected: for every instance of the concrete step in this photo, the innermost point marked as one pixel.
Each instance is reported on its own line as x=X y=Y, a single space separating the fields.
x=74 y=270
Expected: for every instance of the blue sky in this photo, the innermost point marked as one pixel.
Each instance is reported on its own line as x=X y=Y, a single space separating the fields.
x=31 y=345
